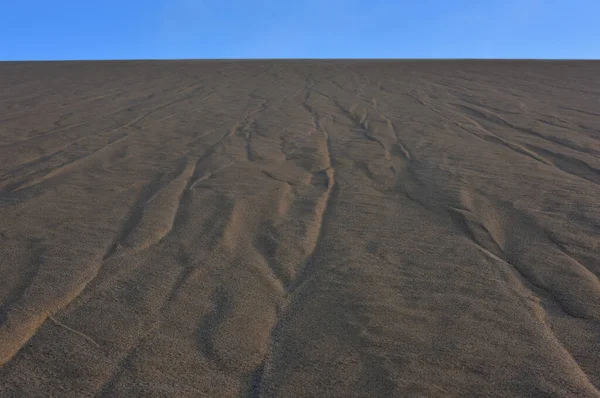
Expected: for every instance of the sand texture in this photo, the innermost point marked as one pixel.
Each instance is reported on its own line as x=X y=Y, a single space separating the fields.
x=300 y=229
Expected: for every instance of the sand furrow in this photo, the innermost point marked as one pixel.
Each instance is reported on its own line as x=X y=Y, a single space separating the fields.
x=495 y=119
x=207 y=328
x=21 y=324
x=488 y=136
x=303 y=276
x=36 y=251
x=133 y=218
x=542 y=296
x=75 y=165
x=47 y=134
x=82 y=335
x=154 y=218
x=108 y=387
x=584 y=112
x=314 y=234
x=568 y=164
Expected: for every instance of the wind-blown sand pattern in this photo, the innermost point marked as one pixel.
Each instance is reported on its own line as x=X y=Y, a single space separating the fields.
x=300 y=228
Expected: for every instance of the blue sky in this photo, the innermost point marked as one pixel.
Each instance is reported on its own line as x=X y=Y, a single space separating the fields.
x=133 y=29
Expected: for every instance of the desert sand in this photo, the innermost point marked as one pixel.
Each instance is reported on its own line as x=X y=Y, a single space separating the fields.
x=300 y=228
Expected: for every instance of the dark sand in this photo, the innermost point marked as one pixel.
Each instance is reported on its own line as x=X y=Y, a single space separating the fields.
x=300 y=229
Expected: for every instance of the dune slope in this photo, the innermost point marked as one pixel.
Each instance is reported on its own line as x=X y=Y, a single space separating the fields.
x=300 y=228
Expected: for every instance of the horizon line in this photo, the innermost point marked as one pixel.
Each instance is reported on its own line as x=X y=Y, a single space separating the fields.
x=295 y=59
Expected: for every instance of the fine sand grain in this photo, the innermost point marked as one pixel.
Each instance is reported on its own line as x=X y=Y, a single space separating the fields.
x=300 y=229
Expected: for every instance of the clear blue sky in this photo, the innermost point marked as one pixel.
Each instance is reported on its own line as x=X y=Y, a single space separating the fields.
x=131 y=29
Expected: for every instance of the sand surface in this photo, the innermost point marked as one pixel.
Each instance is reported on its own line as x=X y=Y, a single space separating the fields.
x=300 y=229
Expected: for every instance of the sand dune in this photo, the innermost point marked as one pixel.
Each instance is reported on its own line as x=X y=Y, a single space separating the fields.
x=300 y=228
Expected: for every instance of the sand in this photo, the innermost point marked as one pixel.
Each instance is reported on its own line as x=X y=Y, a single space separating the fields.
x=300 y=228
